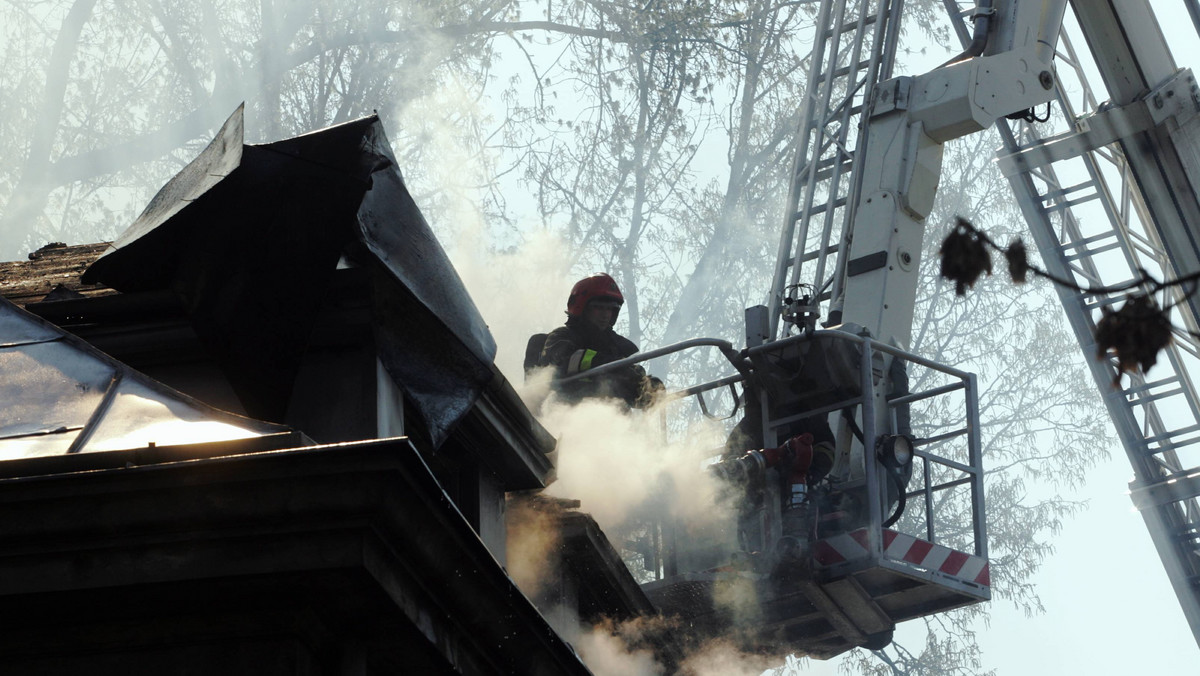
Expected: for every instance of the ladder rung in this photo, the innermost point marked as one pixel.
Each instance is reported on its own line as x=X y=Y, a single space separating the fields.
x=1138 y=389
x=823 y=164
x=1174 y=433
x=846 y=70
x=1186 y=531
x=1167 y=466
x=1142 y=401
x=814 y=255
x=849 y=26
x=1087 y=240
x=1071 y=203
x=824 y=174
x=830 y=161
x=1092 y=252
x=1063 y=192
x=1177 y=446
x=820 y=208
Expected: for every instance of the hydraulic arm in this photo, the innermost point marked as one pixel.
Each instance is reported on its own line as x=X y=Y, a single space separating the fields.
x=900 y=166
x=895 y=171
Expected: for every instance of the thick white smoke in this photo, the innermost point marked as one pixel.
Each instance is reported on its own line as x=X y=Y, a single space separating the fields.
x=620 y=466
x=621 y=649
x=606 y=653
x=519 y=292
x=617 y=462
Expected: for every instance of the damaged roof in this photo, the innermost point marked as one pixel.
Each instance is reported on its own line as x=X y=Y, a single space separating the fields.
x=249 y=236
x=52 y=273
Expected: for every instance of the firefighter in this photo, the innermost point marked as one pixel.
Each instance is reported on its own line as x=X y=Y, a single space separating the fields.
x=588 y=340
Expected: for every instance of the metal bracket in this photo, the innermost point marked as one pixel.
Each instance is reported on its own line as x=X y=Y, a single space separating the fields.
x=891 y=95
x=1096 y=131
x=1178 y=97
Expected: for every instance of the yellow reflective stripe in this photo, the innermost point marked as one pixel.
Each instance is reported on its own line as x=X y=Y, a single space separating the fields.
x=586 y=362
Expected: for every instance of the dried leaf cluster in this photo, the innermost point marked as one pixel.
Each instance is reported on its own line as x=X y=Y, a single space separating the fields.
x=1135 y=334
x=965 y=257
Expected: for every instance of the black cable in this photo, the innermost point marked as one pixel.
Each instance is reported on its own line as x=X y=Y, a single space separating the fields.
x=1034 y=118
x=1030 y=115
x=848 y=415
x=901 y=502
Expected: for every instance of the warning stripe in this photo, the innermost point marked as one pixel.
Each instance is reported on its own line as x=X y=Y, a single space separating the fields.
x=903 y=547
x=860 y=536
x=954 y=563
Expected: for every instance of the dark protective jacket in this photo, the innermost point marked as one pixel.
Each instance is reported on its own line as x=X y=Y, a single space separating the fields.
x=578 y=347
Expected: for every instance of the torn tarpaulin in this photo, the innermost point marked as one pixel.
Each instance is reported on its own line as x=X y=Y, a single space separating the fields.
x=250 y=235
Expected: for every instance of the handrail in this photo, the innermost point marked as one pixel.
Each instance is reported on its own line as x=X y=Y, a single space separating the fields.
x=704 y=387
x=971 y=471
x=724 y=346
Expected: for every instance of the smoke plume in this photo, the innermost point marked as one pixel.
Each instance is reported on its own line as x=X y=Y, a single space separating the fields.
x=621 y=467
x=617 y=462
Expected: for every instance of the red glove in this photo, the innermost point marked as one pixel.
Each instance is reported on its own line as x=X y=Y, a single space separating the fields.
x=798 y=449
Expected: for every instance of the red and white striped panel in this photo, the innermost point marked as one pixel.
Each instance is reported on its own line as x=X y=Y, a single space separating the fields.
x=901 y=547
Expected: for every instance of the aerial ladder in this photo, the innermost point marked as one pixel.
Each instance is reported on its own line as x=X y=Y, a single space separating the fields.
x=1112 y=196
x=1132 y=155
x=893 y=527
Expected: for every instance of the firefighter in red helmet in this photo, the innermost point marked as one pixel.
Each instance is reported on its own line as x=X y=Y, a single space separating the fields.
x=588 y=340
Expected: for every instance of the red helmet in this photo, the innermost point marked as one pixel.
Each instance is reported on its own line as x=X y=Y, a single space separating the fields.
x=590 y=289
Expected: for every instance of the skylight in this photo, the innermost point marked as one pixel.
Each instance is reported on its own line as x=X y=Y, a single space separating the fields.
x=59 y=395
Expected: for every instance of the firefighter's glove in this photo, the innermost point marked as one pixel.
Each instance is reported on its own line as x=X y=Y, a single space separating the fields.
x=800 y=449
x=627 y=383
x=652 y=391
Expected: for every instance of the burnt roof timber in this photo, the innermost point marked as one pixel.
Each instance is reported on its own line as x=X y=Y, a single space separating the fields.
x=604 y=583
x=29 y=281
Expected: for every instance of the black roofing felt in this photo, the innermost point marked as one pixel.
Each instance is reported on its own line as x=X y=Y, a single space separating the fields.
x=250 y=235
